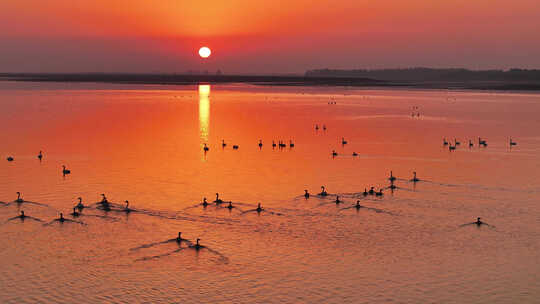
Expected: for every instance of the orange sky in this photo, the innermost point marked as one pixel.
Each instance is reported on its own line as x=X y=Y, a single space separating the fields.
x=266 y=36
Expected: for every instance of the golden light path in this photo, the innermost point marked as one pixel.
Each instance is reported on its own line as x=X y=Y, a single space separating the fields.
x=204 y=111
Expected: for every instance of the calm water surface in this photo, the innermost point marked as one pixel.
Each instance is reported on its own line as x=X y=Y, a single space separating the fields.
x=145 y=144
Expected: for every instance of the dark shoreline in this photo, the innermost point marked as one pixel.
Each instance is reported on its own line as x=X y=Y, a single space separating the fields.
x=178 y=79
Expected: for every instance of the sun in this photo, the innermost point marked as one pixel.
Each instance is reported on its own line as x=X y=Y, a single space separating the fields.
x=204 y=52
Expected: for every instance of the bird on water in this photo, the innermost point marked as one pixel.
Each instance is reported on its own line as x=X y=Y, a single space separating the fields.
x=65 y=171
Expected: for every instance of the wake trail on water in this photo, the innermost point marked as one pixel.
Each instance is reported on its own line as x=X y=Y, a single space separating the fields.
x=362 y=207
x=221 y=258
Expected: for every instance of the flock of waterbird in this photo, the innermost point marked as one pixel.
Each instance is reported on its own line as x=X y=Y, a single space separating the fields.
x=481 y=143
x=281 y=144
x=366 y=192
x=106 y=206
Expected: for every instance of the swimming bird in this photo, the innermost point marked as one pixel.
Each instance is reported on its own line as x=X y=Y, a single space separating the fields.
x=260 y=144
x=456 y=143
x=206 y=148
x=61 y=219
x=10 y=158
x=273 y=144
x=358 y=206
x=371 y=191
x=179 y=238
x=223 y=144
x=316 y=127
x=451 y=148
x=105 y=203
x=306 y=194
x=478 y=221
x=40 y=155
x=80 y=205
x=197 y=246
x=126 y=208
x=445 y=143
x=259 y=208
x=235 y=147
x=392 y=186
x=392 y=177
x=323 y=192
x=204 y=203
x=354 y=154
x=75 y=213
x=379 y=193
x=343 y=141
x=218 y=200
x=482 y=142
x=414 y=179
x=324 y=127
x=19 y=198
x=338 y=201
x=470 y=144
x=512 y=143
x=291 y=144
x=365 y=193
x=65 y=171
x=334 y=153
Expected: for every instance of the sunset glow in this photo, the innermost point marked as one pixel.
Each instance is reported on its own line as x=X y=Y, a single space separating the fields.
x=265 y=36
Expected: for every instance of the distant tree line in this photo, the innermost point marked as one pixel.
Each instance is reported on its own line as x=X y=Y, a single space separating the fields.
x=432 y=74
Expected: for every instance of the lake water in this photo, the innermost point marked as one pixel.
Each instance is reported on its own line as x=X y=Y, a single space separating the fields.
x=145 y=144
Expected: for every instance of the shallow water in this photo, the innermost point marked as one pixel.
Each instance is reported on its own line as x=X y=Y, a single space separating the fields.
x=145 y=144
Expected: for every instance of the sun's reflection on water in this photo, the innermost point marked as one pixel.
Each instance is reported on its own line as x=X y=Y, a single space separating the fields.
x=204 y=112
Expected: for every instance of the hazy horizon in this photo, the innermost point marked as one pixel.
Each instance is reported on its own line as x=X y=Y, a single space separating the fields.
x=266 y=37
